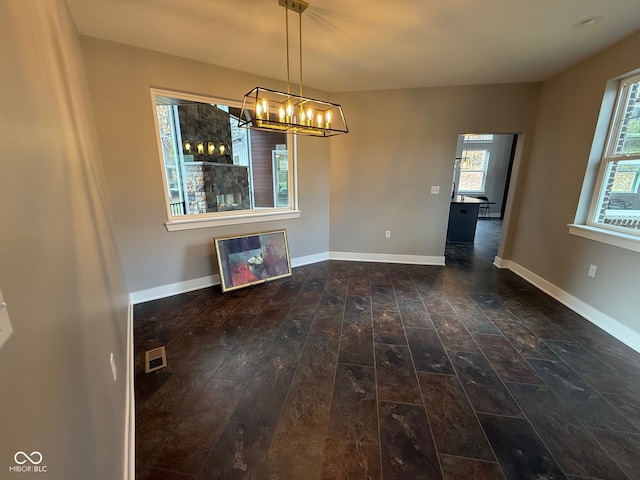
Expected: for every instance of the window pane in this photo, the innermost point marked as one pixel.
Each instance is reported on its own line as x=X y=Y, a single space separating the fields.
x=281 y=167
x=170 y=157
x=474 y=160
x=211 y=165
x=471 y=181
x=478 y=138
x=619 y=203
x=625 y=177
x=628 y=137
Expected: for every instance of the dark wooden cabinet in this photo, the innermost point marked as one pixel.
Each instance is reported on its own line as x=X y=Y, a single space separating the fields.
x=463 y=216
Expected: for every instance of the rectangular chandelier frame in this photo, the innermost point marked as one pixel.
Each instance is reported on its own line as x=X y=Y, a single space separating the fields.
x=272 y=110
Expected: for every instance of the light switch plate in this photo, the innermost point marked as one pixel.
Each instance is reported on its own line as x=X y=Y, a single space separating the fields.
x=5 y=324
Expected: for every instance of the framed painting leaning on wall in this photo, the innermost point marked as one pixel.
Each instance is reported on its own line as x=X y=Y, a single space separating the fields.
x=245 y=260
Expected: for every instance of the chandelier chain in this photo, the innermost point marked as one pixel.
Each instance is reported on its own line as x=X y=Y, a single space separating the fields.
x=300 y=22
x=286 y=21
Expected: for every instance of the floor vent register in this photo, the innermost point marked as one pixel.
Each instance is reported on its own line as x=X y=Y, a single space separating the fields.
x=155 y=359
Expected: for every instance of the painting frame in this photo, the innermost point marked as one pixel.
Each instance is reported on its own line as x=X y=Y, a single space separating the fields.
x=252 y=259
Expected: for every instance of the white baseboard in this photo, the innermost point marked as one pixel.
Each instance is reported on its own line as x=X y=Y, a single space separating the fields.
x=500 y=263
x=130 y=407
x=203 y=282
x=610 y=325
x=387 y=258
x=173 y=289
x=309 y=259
x=164 y=291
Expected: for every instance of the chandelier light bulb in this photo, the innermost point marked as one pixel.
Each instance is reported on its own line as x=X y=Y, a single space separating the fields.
x=289 y=110
x=262 y=109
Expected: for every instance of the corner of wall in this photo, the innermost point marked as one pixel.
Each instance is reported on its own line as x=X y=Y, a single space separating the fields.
x=610 y=325
x=130 y=416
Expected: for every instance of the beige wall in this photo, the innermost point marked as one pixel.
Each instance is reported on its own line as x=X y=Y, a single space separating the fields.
x=60 y=273
x=355 y=187
x=567 y=116
x=119 y=79
x=401 y=142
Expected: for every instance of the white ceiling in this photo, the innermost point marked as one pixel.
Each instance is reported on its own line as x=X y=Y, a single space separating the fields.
x=373 y=44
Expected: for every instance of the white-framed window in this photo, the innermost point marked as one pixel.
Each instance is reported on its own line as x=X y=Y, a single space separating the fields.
x=215 y=172
x=478 y=137
x=616 y=202
x=474 y=163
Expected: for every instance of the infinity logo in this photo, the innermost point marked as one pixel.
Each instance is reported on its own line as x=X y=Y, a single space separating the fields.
x=35 y=458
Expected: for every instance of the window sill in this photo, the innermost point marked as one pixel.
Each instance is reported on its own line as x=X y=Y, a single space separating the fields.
x=610 y=237
x=208 y=222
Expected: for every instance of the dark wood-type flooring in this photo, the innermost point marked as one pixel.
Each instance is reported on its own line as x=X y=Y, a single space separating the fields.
x=353 y=370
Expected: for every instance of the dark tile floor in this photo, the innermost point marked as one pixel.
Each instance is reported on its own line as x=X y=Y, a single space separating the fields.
x=367 y=370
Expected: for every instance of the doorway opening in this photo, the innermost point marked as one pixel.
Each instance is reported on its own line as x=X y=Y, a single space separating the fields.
x=481 y=173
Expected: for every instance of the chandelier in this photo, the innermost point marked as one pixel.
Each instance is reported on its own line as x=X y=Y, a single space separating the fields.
x=272 y=110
